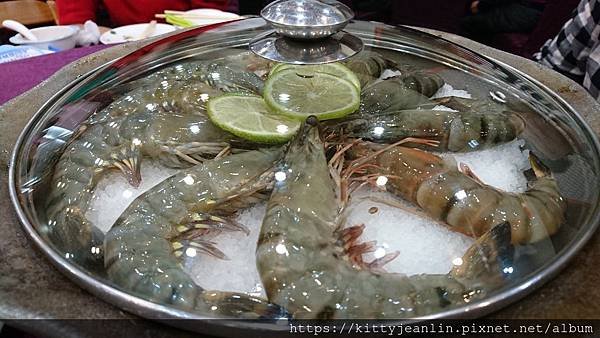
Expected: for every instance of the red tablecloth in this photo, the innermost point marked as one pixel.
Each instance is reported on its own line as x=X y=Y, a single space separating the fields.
x=19 y=76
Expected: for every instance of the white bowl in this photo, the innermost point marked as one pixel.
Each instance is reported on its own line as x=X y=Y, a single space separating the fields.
x=54 y=38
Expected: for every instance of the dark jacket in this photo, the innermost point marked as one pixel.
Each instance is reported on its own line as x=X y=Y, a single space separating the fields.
x=485 y=5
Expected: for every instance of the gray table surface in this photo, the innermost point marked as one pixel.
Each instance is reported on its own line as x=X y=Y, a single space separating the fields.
x=30 y=287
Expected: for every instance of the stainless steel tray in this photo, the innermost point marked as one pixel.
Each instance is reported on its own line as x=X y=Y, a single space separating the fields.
x=574 y=135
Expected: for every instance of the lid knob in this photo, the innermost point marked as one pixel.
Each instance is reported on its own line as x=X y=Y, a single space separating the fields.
x=307 y=19
x=306 y=32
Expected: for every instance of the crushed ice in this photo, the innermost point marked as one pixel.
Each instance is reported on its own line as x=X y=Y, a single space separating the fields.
x=424 y=246
x=447 y=90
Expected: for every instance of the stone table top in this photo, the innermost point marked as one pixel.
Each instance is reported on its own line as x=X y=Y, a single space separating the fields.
x=31 y=288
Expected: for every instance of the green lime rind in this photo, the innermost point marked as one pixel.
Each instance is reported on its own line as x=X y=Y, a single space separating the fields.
x=298 y=96
x=250 y=118
x=335 y=69
x=277 y=68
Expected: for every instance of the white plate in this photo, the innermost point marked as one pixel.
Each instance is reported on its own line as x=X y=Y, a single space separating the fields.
x=133 y=33
x=215 y=14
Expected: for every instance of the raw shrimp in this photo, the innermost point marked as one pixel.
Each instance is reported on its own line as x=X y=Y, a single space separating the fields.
x=177 y=140
x=369 y=66
x=458 y=132
x=186 y=86
x=304 y=267
x=144 y=248
x=228 y=75
x=423 y=82
x=460 y=199
x=465 y=105
x=398 y=93
x=165 y=121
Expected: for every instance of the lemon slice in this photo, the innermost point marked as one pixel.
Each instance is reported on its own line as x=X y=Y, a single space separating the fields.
x=250 y=118
x=299 y=95
x=335 y=69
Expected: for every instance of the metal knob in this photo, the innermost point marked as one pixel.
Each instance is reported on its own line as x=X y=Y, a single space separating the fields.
x=306 y=32
x=307 y=19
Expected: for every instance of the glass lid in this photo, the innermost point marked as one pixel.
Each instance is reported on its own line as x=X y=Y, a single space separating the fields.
x=416 y=179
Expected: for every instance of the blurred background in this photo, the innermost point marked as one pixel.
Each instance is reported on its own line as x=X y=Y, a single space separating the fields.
x=508 y=25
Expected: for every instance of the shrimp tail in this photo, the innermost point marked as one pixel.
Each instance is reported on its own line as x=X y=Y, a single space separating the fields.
x=127 y=159
x=489 y=261
x=239 y=305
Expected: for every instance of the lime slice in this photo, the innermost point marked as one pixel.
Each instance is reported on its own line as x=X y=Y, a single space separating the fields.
x=298 y=95
x=250 y=118
x=335 y=69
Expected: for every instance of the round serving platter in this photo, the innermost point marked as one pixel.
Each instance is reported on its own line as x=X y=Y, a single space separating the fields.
x=397 y=39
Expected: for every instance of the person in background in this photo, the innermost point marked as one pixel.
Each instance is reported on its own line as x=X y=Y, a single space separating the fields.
x=378 y=10
x=490 y=17
x=575 y=51
x=126 y=12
